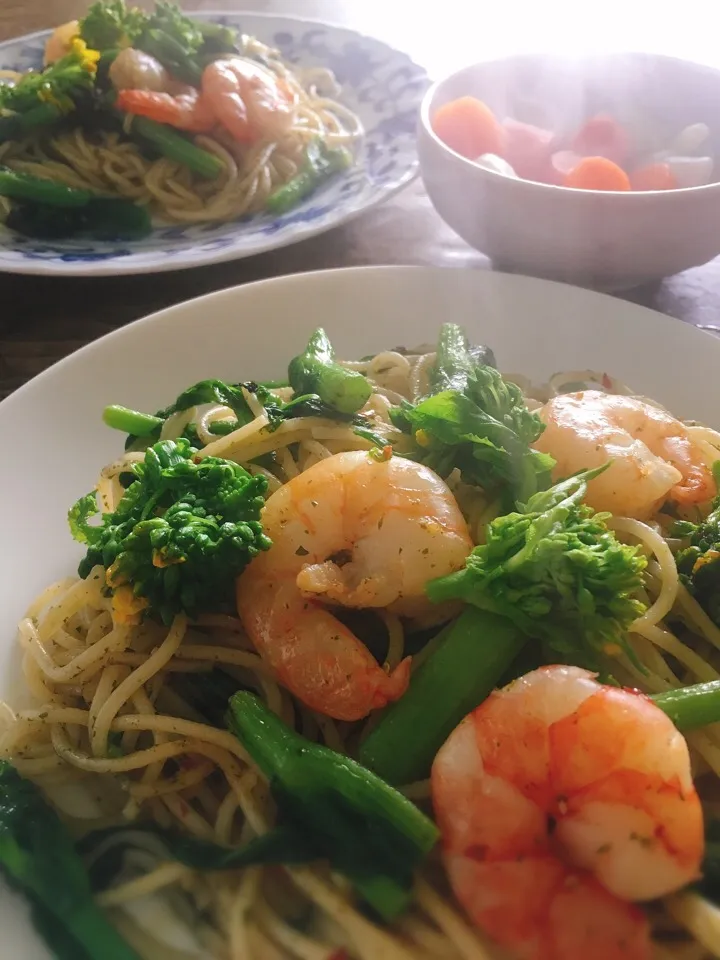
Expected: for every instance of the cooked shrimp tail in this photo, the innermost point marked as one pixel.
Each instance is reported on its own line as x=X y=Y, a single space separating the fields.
x=189 y=111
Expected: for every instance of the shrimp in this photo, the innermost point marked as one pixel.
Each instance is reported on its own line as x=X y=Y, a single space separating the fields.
x=354 y=532
x=560 y=801
x=134 y=70
x=59 y=42
x=190 y=111
x=249 y=101
x=653 y=456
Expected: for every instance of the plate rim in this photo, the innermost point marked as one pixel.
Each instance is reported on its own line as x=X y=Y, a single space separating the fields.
x=78 y=355
x=121 y=266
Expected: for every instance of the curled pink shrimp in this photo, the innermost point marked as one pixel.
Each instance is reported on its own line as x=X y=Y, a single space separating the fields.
x=349 y=531
x=653 y=456
x=560 y=801
x=248 y=100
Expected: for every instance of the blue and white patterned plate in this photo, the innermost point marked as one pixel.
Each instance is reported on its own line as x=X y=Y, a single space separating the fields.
x=383 y=86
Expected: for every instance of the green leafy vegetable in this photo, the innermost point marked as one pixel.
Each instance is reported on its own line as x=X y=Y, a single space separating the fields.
x=111 y=23
x=217 y=38
x=319 y=164
x=181 y=534
x=551 y=572
x=175 y=146
x=131 y=421
x=58 y=84
x=452 y=430
x=13 y=126
x=102 y=218
x=38 y=858
x=174 y=40
x=208 y=693
x=556 y=571
x=315 y=372
x=24 y=186
x=456 y=362
x=691 y=707
x=173 y=54
x=468 y=660
x=364 y=828
x=180 y=43
x=478 y=422
x=149 y=426
x=169 y=18
x=699 y=561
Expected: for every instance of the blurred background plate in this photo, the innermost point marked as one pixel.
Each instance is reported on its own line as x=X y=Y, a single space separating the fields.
x=381 y=84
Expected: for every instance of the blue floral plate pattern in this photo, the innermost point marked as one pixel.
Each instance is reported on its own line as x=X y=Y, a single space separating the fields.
x=383 y=86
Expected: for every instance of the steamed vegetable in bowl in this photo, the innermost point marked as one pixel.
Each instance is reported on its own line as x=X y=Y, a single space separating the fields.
x=156 y=117
x=601 y=154
x=398 y=656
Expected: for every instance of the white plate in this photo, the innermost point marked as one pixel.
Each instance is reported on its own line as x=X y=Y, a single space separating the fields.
x=383 y=86
x=54 y=442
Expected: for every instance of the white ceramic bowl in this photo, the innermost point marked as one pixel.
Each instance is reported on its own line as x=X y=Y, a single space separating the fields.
x=607 y=240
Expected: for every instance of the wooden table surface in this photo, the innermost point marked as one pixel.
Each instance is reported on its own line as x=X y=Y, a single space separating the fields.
x=43 y=319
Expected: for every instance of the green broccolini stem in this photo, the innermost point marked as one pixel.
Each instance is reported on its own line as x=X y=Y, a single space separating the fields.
x=315 y=371
x=22 y=186
x=691 y=707
x=476 y=651
x=16 y=125
x=130 y=421
x=367 y=830
x=281 y=753
x=177 y=147
x=320 y=164
x=172 y=55
x=93 y=930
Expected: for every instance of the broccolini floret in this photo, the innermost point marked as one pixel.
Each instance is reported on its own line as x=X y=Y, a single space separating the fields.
x=57 y=85
x=555 y=570
x=179 y=537
x=111 y=23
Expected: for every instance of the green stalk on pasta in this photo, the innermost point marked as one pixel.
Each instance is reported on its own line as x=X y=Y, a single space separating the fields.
x=316 y=371
x=177 y=147
x=362 y=826
x=320 y=163
x=38 y=858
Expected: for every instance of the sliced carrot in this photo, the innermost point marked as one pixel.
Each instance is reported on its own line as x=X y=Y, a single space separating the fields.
x=469 y=127
x=655 y=176
x=597 y=173
x=602 y=136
